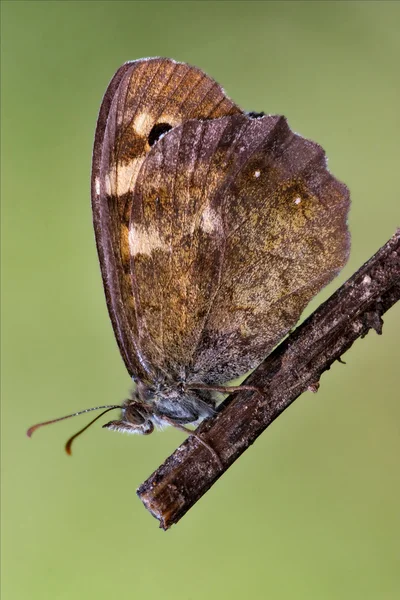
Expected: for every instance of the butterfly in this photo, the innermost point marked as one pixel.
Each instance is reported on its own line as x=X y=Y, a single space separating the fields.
x=214 y=229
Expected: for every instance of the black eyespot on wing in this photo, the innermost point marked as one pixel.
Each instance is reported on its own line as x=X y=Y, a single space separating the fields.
x=255 y=115
x=157 y=131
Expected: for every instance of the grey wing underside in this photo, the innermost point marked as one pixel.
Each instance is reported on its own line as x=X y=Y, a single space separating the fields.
x=236 y=224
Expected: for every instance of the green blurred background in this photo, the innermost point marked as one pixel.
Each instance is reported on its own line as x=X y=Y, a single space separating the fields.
x=312 y=509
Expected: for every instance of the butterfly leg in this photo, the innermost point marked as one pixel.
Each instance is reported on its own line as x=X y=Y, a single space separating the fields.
x=224 y=388
x=194 y=434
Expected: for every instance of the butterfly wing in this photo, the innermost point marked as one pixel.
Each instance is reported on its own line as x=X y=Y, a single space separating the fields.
x=144 y=99
x=236 y=224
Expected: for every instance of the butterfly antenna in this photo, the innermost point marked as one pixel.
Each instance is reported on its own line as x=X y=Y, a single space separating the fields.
x=71 y=439
x=108 y=407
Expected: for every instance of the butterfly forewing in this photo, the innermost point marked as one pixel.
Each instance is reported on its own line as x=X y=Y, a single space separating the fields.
x=142 y=96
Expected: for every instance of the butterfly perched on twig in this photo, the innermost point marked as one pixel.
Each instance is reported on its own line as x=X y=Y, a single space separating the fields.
x=214 y=229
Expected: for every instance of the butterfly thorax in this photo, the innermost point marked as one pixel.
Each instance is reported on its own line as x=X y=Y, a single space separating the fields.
x=161 y=405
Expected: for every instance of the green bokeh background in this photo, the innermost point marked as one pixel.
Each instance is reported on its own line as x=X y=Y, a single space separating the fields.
x=312 y=509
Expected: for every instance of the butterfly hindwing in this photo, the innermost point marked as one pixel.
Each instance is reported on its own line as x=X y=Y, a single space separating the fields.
x=236 y=224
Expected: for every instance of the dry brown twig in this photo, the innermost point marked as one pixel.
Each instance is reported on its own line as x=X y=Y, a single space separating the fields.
x=295 y=366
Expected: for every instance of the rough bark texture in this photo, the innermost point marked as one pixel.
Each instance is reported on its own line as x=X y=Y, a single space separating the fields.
x=295 y=366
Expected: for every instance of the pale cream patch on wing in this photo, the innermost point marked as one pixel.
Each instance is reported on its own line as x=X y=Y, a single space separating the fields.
x=108 y=178
x=121 y=178
x=144 y=241
x=142 y=123
x=210 y=220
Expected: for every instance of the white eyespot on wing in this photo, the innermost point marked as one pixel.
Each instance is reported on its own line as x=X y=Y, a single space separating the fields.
x=297 y=200
x=145 y=241
x=257 y=174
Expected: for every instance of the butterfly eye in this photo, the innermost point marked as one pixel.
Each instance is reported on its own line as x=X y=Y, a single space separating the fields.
x=158 y=130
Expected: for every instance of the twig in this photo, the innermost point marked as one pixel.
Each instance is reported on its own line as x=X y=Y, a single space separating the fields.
x=295 y=366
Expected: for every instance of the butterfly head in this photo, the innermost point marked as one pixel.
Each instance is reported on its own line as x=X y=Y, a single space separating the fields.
x=135 y=418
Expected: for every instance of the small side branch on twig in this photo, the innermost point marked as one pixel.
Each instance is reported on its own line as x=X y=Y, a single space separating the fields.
x=295 y=366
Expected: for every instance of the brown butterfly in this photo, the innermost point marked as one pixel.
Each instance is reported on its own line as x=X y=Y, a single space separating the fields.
x=214 y=229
